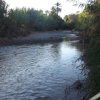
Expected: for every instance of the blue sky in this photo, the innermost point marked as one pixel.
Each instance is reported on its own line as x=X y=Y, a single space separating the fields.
x=67 y=7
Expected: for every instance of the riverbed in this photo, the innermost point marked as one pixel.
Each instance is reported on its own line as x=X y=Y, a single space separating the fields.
x=42 y=71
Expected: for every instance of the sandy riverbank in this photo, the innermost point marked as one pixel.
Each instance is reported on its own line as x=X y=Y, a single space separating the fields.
x=38 y=37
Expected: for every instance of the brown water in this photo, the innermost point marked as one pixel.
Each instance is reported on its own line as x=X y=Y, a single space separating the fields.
x=28 y=72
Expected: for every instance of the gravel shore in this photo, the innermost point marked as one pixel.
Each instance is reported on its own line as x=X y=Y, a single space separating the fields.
x=38 y=37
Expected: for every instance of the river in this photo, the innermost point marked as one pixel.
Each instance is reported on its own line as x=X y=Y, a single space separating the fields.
x=40 y=71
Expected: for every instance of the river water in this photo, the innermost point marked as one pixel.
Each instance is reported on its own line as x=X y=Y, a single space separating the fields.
x=40 y=71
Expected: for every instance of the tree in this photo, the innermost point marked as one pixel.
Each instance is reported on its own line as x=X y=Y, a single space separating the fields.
x=53 y=11
x=15 y=22
x=3 y=9
x=58 y=7
x=3 y=17
x=71 y=21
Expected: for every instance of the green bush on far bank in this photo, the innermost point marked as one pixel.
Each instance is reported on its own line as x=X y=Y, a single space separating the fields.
x=15 y=22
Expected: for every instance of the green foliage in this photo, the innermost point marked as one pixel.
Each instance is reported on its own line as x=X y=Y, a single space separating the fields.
x=89 y=24
x=93 y=56
x=56 y=9
x=3 y=9
x=90 y=20
x=91 y=17
x=71 y=21
x=84 y=21
x=3 y=18
x=17 y=21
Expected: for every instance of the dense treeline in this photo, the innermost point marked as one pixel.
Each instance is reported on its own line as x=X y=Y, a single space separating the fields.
x=21 y=21
x=88 y=23
x=93 y=52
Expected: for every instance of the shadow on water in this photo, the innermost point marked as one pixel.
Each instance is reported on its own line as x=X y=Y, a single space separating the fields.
x=46 y=71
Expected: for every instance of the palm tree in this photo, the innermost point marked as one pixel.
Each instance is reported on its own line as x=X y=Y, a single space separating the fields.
x=58 y=7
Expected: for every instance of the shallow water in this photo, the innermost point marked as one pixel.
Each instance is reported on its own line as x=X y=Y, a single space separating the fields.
x=28 y=72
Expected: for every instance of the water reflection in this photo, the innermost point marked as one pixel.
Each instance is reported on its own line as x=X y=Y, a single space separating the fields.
x=28 y=72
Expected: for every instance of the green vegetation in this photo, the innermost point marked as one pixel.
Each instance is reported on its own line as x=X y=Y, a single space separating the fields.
x=15 y=22
x=3 y=18
x=71 y=21
x=23 y=21
x=88 y=24
x=92 y=28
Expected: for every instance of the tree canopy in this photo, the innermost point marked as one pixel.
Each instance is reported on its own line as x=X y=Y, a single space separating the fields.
x=21 y=21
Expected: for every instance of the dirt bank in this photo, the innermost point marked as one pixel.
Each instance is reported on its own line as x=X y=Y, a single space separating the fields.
x=38 y=37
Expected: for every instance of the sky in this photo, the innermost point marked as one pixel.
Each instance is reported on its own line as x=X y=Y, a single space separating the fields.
x=67 y=7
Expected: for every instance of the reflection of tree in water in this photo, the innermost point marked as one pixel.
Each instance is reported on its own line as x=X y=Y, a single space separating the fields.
x=77 y=45
x=55 y=49
x=80 y=62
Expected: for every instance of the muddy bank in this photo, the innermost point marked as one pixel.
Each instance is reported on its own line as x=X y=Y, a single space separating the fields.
x=38 y=37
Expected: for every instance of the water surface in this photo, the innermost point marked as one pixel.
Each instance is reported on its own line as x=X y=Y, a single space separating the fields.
x=28 y=72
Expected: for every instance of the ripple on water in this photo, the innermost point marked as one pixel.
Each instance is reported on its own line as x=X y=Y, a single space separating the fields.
x=38 y=72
